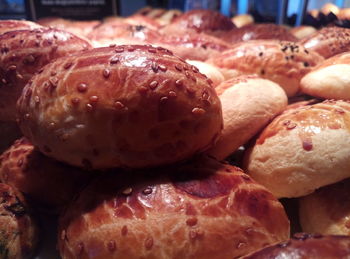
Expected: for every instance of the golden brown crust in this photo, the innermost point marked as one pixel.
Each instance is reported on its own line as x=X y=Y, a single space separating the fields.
x=203 y=209
x=303 y=31
x=327 y=211
x=50 y=184
x=306 y=246
x=14 y=25
x=91 y=111
x=328 y=41
x=206 y=21
x=303 y=149
x=282 y=62
x=242 y=20
x=263 y=31
x=245 y=112
x=18 y=231
x=23 y=53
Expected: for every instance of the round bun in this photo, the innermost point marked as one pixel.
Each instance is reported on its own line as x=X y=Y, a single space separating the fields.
x=169 y=16
x=330 y=8
x=248 y=104
x=207 y=21
x=212 y=72
x=264 y=31
x=329 y=80
x=18 y=231
x=344 y=14
x=50 y=184
x=204 y=209
x=125 y=106
x=284 y=63
x=301 y=32
x=326 y=211
x=242 y=20
x=22 y=54
x=328 y=41
x=303 y=149
x=306 y=246
x=14 y=25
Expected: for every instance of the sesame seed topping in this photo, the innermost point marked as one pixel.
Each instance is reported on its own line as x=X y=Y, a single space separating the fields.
x=106 y=73
x=152 y=50
x=82 y=87
x=119 y=49
x=118 y=105
x=93 y=98
x=12 y=68
x=178 y=67
x=89 y=107
x=172 y=94
x=163 y=68
x=149 y=243
x=147 y=191
x=179 y=83
x=114 y=60
x=111 y=246
x=198 y=111
x=75 y=101
x=163 y=100
x=153 y=85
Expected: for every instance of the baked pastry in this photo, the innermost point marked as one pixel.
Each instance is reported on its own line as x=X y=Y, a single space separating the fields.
x=303 y=149
x=303 y=31
x=327 y=210
x=306 y=246
x=203 y=209
x=248 y=104
x=209 y=70
x=284 y=63
x=23 y=53
x=48 y=183
x=329 y=80
x=19 y=233
x=126 y=106
x=242 y=20
x=328 y=41
x=14 y=25
x=262 y=31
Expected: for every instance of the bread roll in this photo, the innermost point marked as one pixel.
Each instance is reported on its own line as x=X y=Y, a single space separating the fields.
x=209 y=70
x=14 y=25
x=242 y=20
x=306 y=246
x=263 y=31
x=303 y=31
x=344 y=14
x=284 y=63
x=207 y=21
x=328 y=41
x=22 y=54
x=330 y=8
x=18 y=231
x=125 y=106
x=303 y=149
x=329 y=80
x=248 y=104
x=50 y=184
x=169 y=16
x=204 y=209
x=327 y=210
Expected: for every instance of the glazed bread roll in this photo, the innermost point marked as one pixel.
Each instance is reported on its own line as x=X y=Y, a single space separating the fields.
x=306 y=246
x=209 y=70
x=242 y=20
x=204 y=209
x=263 y=31
x=303 y=31
x=126 y=106
x=23 y=53
x=207 y=21
x=329 y=80
x=284 y=63
x=327 y=210
x=328 y=41
x=18 y=230
x=14 y=25
x=248 y=104
x=48 y=183
x=303 y=149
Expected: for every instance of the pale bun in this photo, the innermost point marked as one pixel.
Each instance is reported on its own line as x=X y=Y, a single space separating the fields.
x=330 y=8
x=24 y=53
x=14 y=25
x=307 y=246
x=284 y=63
x=209 y=70
x=329 y=80
x=326 y=211
x=127 y=106
x=303 y=31
x=263 y=31
x=203 y=209
x=344 y=14
x=328 y=41
x=303 y=149
x=248 y=104
x=49 y=184
x=19 y=233
x=242 y=20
